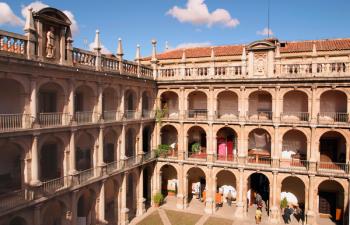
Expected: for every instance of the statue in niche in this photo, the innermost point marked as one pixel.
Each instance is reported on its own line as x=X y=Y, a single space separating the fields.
x=50 y=44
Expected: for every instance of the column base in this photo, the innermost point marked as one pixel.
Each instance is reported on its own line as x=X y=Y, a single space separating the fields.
x=209 y=209
x=35 y=183
x=180 y=201
x=239 y=212
x=310 y=218
x=141 y=209
x=124 y=218
x=274 y=215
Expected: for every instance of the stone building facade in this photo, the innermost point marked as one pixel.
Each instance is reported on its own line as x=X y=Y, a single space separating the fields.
x=78 y=127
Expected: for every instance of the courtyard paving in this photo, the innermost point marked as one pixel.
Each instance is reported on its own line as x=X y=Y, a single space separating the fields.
x=168 y=214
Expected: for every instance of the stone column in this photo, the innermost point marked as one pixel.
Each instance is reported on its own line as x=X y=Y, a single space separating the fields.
x=277 y=105
x=250 y=64
x=276 y=150
x=33 y=99
x=180 y=188
x=72 y=152
x=243 y=149
x=182 y=102
x=211 y=190
x=313 y=155
x=35 y=161
x=210 y=105
x=71 y=99
x=314 y=110
x=240 y=202
x=210 y=137
x=140 y=144
x=100 y=161
x=181 y=139
x=124 y=213
x=242 y=103
x=62 y=46
x=37 y=219
x=140 y=200
x=100 y=102
x=101 y=204
x=122 y=143
x=274 y=210
x=310 y=214
x=139 y=106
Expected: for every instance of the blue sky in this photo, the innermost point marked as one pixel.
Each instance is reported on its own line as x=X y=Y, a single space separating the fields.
x=237 y=21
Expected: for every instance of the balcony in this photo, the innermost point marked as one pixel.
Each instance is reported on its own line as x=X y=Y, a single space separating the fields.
x=225 y=159
x=227 y=115
x=11 y=122
x=197 y=155
x=332 y=117
x=294 y=164
x=197 y=114
x=294 y=117
x=85 y=117
x=53 y=119
x=109 y=116
x=259 y=115
x=332 y=167
x=259 y=161
x=130 y=114
x=148 y=114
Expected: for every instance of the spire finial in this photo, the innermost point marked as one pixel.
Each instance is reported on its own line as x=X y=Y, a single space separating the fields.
x=314 y=50
x=29 y=25
x=244 y=54
x=154 y=50
x=138 y=53
x=183 y=59
x=212 y=54
x=120 y=48
x=97 y=43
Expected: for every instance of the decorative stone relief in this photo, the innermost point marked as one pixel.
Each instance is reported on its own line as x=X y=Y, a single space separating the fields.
x=260 y=63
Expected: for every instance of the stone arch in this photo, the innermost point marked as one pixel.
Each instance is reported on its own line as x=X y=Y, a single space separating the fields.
x=196 y=180
x=227 y=104
x=258 y=182
x=54 y=213
x=169 y=181
x=333 y=101
x=169 y=136
x=226 y=143
x=131 y=191
x=86 y=201
x=259 y=144
x=196 y=142
x=331 y=200
x=85 y=98
x=109 y=100
x=112 y=193
x=260 y=105
x=294 y=144
x=147 y=138
x=12 y=96
x=110 y=146
x=332 y=148
x=169 y=101
x=84 y=151
x=297 y=188
x=197 y=104
x=51 y=157
x=296 y=105
x=12 y=166
x=130 y=148
x=226 y=182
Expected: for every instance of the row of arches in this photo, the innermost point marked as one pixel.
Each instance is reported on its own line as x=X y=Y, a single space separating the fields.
x=52 y=97
x=295 y=143
x=51 y=152
x=56 y=211
x=329 y=199
x=295 y=103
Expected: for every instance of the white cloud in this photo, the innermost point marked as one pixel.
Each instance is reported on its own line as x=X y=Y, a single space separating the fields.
x=8 y=17
x=104 y=50
x=196 y=12
x=265 y=32
x=193 y=44
x=38 y=5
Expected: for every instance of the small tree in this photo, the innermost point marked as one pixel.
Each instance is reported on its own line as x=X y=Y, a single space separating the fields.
x=158 y=199
x=284 y=203
x=162 y=150
x=160 y=114
x=195 y=148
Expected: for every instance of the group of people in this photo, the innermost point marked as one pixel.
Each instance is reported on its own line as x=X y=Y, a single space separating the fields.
x=259 y=206
x=289 y=211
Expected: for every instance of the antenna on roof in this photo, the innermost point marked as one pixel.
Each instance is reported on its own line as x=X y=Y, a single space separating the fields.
x=268 y=18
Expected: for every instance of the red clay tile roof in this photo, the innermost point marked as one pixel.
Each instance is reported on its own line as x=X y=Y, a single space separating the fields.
x=233 y=50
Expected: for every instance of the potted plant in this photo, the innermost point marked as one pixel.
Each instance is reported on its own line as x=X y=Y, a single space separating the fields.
x=284 y=203
x=158 y=199
x=162 y=150
x=196 y=148
x=171 y=192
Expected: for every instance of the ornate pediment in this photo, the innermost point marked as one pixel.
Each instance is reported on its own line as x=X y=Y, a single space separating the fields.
x=53 y=15
x=262 y=45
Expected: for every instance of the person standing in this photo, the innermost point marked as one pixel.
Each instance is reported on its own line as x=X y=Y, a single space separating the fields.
x=229 y=198
x=258 y=215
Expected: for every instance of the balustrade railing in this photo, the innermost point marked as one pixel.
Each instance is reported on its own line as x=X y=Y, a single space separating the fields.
x=333 y=166
x=112 y=115
x=197 y=114
x=227 y=114
x=197 y=155
x=85 y=117
x=9 y=122
x=335 y=68
x=85 y=175
x=259 y=115
x=12 y=43
x=226 y=158
x=146 y=72
x=296 y=69
x=333 y=117
x=130 y=114
x=265 y=161
x=114 y=166
x=294 y=163
x=53 y=119
x=130 y=67
x=294 y=116
x=13 y=199
x=109 y=63
x=52 y=186
x=148 y=114
x=83 y=57
x=172 y=114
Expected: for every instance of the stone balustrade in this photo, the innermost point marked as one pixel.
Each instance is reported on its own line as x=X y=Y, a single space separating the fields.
x=83 y=58
x=12 y=43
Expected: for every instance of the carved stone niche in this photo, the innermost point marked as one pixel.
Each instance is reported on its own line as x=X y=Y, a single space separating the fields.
x=259 y=62
x=53 y=28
